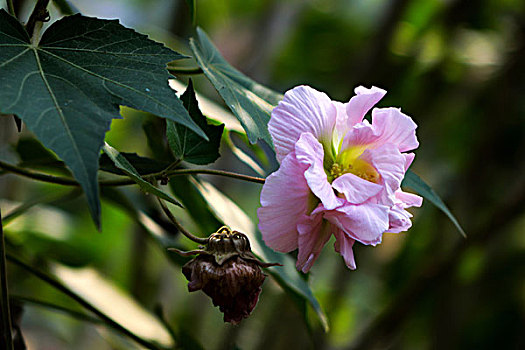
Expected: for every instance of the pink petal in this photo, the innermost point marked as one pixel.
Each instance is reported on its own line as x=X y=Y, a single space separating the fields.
x=364 y=223
x=310 y=153
x=361 y=103
x=355 y=189
x=343 y=245
x=284 y=199
x=399 y=220
x=303 y=109
x=390 y=164
x=409 y=199
x=389 y=125
x=394 y=127
x=314 y=232
x=409 y=158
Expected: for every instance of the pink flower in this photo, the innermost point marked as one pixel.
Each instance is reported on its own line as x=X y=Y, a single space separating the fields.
x=339 y=174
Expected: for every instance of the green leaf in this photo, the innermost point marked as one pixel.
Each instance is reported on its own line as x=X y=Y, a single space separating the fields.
x=143 y=165
x=414 y=182
x=287 y=276
x=186 y=144
x=123 y=164
x=68 y=88
x=251 y=102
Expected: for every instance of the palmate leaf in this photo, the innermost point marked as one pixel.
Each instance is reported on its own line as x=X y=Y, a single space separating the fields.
x=185 y=143
x=251 y=102
x=67 y=88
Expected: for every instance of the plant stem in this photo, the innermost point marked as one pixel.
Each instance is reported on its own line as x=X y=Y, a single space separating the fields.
x=179 y=226
x=75 y=314
x=123 y=182
x=7 y=337
x=11 y=8
x=64 y=289
x=34 y=23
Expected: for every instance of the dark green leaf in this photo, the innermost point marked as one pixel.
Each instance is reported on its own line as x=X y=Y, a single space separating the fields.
x=143 y=165
x=123 y=164
x=185 y=143
x=414 y=182
x=251 y=103
x=67 y=88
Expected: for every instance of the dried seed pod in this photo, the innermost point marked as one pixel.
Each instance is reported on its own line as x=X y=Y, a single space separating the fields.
x=228 y=272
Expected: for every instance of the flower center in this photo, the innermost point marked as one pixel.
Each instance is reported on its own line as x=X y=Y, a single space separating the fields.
x=358 y=167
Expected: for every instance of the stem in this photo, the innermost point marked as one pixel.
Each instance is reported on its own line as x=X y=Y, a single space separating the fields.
x=11 y=8
x=7 y=337
x=179 y=226
x=64 y=289
x=39 y=15
x=75 y=314
x=123 y=182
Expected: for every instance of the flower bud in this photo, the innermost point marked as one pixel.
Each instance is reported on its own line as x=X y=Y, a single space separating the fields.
x=228 y=272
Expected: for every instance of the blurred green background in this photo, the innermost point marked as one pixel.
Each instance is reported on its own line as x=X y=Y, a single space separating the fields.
x=456 y=66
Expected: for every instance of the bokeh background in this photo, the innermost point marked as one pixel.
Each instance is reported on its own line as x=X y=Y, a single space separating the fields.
x=456 y=66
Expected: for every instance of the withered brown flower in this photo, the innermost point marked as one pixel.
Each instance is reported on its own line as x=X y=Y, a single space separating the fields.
x=228 y=272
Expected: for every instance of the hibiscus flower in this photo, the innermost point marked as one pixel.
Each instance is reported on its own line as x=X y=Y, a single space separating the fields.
x=339 y=174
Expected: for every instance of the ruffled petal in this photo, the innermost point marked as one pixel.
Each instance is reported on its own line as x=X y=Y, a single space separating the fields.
x=399 y=220
x=394 y=127
x=389 y=125
x=314 y=232
x=409 y=199
x=364 y=223
x=309 y=152
x=284 y=199
x=390 y=164
x=355 y=189
x=343 y=245
x=303 y=109
x=361 y=103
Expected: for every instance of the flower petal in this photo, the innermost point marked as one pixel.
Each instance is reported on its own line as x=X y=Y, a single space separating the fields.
x=284 y=199
x=310 y=153
x=395 y=127
x=314 y=232
x=409 y=199
x=303 y=109
x=361 y=103
x=355 y=189
x=364 y=223
x=343 y=245
x=390 y=164
x=399 y=220
x=389 y=125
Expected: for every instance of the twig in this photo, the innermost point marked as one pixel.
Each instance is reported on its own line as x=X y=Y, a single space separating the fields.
x=11 y=8
x=7 y=337
x=60 y=180
x=64 y=289
x=39 y=15
x=179 y=226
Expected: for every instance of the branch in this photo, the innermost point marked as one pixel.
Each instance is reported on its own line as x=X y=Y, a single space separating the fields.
x=7 y=337
x=11 y=8
x=60 y=180
x=64 y=289
x=182 y=230
x=38 y=16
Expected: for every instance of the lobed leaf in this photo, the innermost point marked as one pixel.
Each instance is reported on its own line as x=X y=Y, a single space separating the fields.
x=68 y=87
x=186 y=144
